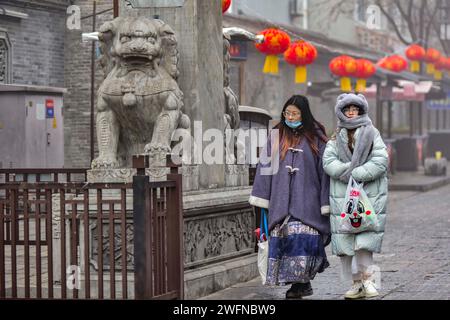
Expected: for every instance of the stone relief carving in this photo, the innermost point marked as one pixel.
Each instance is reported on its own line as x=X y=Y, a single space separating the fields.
x=231 y=116
x=216 y=236
x=106 y=245
x=139 y=104
x=4 y=65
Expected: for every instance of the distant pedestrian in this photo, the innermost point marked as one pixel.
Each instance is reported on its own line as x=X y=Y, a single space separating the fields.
x=297 y=198
x=356 y=150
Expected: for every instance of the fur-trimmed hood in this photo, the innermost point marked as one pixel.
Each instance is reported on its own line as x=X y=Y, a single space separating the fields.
x=346 y=99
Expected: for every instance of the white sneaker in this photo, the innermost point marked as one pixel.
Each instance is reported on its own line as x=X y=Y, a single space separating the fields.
x=370 y=289
x=356 y=291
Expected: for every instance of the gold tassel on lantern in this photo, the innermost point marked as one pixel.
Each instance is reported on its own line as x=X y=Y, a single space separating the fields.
x=360 y=85
x=430 y=68
x=300 y=74
x=415 y=66
x=346 y=84
x=437 y=75
x=271 y=64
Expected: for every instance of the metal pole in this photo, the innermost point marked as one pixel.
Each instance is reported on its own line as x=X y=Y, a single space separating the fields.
x=437 y=120
x=389 y=119
x=420 y=120
x=444 y=119
x=142 y=230
x=378 y=111
x=411 y=118
x=116 y=8
x=93 y=81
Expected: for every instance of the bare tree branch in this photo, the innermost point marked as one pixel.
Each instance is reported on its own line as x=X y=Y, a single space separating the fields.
x=431 y=20
x=435 y=25
x=392 y=21
x=408 y=19
x=421 y=21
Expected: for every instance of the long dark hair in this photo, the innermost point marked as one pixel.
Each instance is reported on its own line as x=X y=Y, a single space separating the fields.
x=309 y=129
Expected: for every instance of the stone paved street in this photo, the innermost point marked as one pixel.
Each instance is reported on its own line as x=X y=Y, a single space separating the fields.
x=415 y=259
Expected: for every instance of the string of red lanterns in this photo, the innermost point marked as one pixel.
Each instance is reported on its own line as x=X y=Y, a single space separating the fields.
x=302 y=53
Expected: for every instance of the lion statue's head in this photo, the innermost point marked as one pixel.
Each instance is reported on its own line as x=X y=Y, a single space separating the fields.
x=138 y=41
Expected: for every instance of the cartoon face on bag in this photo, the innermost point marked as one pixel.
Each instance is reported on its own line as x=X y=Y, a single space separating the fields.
x=354 y=209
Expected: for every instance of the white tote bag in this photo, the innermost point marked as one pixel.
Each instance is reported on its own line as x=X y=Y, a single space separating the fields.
x=357 y=213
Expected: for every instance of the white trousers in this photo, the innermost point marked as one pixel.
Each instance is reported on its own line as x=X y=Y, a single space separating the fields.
x=355 y=267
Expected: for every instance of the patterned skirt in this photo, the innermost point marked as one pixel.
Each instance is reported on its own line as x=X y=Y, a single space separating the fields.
x=296 y=254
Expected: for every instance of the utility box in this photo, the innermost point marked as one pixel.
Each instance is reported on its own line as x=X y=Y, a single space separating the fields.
x=31 y=127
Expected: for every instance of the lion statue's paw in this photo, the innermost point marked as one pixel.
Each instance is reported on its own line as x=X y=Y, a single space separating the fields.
x=157 y=148
x=105 y=162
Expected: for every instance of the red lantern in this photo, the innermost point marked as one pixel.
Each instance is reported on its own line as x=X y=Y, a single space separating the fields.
x=225 y=5
x=439 y=66
x=364 y=69
x=344 y=67
x=300 y=54
x=432 y=57
x=399 y=63
x=275 y=42
x=447 y=65
x=393 y=63
x=415 y=53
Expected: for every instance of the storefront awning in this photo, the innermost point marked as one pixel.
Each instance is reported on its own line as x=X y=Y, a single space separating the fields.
x=404 y=91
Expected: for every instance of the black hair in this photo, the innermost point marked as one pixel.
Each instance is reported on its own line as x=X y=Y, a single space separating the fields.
x=310 y=127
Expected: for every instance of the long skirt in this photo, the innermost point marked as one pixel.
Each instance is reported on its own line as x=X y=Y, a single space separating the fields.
x=296 y=254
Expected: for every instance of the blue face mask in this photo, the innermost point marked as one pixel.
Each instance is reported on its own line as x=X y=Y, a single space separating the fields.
x=294 y=124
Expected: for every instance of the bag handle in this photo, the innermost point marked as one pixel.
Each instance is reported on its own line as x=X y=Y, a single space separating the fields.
x=263 y=225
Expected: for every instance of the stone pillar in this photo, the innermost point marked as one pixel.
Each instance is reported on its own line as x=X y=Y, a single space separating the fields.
x=198 y=28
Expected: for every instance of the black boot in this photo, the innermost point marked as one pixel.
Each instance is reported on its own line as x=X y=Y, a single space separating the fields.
x=299 y=290
x=306 y=289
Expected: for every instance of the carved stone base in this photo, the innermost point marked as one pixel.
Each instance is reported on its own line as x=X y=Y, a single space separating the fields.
x=125 y=175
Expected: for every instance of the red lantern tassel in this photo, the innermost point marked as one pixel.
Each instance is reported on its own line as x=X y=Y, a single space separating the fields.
x=415 y=66
x=437 y=75
x=271 y=64
x=301 y=74
x=346 y=84
x=430 y=68
x=360 y=85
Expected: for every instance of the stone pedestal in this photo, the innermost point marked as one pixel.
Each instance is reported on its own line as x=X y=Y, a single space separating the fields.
x=435 y=167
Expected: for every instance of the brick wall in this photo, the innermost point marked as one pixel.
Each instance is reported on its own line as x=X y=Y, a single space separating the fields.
x=77 y=70
x=37 y=42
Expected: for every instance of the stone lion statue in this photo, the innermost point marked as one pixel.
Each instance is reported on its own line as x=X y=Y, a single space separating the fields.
x=139 y=104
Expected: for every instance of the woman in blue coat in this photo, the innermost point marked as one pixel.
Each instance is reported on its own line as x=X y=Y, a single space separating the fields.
x=356 y=150
x=294 y=188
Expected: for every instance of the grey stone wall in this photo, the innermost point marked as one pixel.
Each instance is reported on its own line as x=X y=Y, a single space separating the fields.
x=37 y=42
